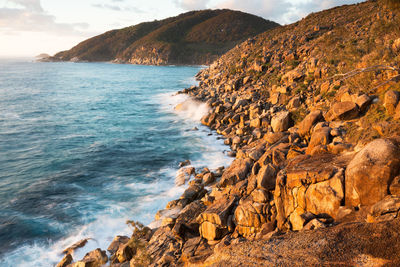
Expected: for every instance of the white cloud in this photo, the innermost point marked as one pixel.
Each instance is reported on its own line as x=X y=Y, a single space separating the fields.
x=282 y=11
x=192 y=4
x=28 y=15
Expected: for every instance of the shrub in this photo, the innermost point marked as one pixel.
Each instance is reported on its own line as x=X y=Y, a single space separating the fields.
x=393 y=4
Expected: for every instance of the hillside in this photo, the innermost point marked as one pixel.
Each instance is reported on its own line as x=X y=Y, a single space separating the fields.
x=196 y=37
x=311 y=112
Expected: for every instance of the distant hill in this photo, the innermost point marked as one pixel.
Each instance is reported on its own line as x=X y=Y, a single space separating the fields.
x=196 y=37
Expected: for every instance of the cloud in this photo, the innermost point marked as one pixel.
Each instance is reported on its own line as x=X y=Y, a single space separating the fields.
x=269 y=9
x=29 y=16
x=282 y=11
x=192 y=4
x=107 y=6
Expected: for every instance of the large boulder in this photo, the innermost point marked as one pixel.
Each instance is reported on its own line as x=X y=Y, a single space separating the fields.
x=251 y=216
x=371 y=171
x=311 y=184
x=309 y=121
x=281 y=121
x=214 y=221
x=342 y=111
x=236 y=172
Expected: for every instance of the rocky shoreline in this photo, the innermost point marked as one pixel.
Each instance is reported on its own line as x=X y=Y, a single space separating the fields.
x=310 y=111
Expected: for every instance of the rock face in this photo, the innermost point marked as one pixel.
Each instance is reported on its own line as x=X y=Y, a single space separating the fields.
x=214 y=220
x=310 y=185
x=95 y=258
x=370 y=173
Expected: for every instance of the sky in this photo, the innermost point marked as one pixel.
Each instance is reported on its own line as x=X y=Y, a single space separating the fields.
x=32 y=27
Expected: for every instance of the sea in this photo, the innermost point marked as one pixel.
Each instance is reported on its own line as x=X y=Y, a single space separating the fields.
x=84 y=147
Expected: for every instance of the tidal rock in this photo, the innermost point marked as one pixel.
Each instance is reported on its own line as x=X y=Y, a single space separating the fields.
x=370 y=172
x=95 y=258
x=183 y=175
x=65 y=261
x=79 y=244
x=118 y=240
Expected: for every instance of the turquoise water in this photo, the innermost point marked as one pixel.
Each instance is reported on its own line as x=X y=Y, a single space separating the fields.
x=85 y=147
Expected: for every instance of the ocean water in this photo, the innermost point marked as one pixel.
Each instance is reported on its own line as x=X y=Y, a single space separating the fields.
x=85 y=147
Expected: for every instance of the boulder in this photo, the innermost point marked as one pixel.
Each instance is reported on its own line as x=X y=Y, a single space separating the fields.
x=342 y=111
x=320 y=136
x=95 y=258
x=390 y=101
x=125 y=253
x=214 y=220
x=117 y=241
x=208 y=178
x=371 y=171
x=385 y=210
x=309 y=121
x=183 y=175
x=311 y=184
x=363 y=102
x=281 y=121
x=236 y=172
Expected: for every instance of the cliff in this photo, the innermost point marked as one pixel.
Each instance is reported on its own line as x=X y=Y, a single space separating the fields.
x=196 y=37
x=311 y=112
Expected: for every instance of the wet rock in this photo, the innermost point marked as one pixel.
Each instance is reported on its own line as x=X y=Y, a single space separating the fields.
x=79 y=244
x=208 y=178
x=370 y=172
x=281 y=121
x=193 y=192
x=186 y=225
x=183 y=175
x=184 y=163
x=236 y=172
x=65 y=261
x=117 y=241
x=95 y=258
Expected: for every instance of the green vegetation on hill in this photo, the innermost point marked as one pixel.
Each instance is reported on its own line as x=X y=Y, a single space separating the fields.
x=196 y=37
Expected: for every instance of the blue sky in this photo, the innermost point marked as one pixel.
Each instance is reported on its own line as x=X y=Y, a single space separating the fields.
x=31 y=27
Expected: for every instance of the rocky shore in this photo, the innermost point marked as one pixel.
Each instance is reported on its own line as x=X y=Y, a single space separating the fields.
x=310 y=111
